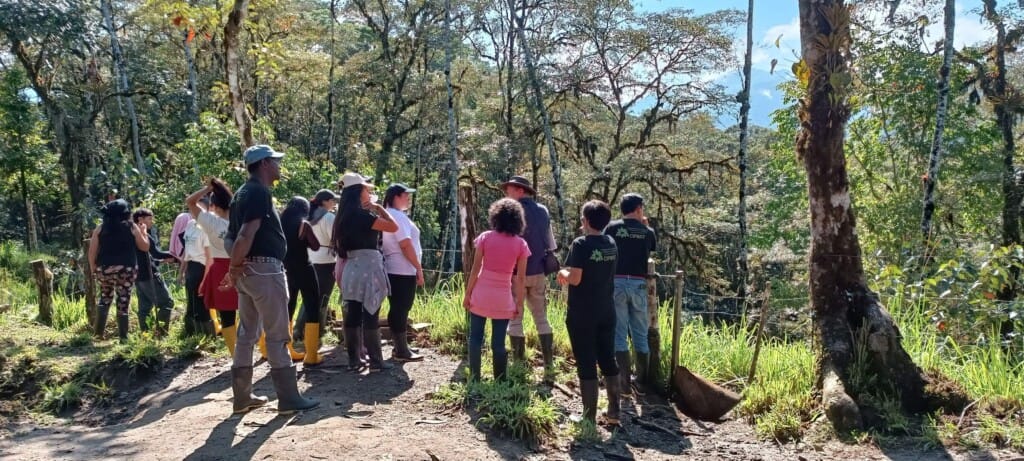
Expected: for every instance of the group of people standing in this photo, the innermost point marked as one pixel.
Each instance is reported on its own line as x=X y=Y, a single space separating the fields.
x=244 y=266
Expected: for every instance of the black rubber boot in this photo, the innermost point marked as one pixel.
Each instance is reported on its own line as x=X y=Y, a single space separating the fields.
x=243 y=399
x=622 y=360
x=642 y=365
x=100 y=327
x=401 y=352
x=474 y=364
x=352 y=346
x=613 y=386
x=500 y=363
x=371 y=339
x=588 y=389
x=518 y=348
x=122 y=327
x=163 y=322
x=547 y=349
x=286 y=386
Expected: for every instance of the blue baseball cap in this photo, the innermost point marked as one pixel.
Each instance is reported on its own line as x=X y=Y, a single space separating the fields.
x=260 y=152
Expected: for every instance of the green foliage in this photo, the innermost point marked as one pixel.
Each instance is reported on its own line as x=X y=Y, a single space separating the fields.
x=62 y=396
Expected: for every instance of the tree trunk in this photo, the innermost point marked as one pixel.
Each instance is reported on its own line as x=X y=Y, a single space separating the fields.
x=122 y=83
x=538 y=94
x=741 y=212
x=940 y=124
x=848 y=319
x=31 y=234
x=332 y=151
x=193 y=79
x=44 y=284
x=231 y=69
x=90 y=283
x=509 y=113
x=453 y=136
x=470 y=227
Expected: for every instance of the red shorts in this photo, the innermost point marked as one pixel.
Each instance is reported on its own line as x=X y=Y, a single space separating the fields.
x=214 y=296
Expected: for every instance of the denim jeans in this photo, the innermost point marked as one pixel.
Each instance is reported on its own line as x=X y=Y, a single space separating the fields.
x=631 y=315
x=476 y=334
x=152 y=292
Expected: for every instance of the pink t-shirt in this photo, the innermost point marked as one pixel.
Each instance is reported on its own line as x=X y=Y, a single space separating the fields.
x=492 y=295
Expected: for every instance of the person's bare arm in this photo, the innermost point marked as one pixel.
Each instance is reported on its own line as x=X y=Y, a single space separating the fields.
x=478 y=260
x=94 y=249
x=141 y=237
x=519 y=285
x=243 y=243
x=384 y=221
x=570 y=276
x=409 y=252
x=192 y=201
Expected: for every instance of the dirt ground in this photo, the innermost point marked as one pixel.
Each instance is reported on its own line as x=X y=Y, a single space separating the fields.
x=184 y=412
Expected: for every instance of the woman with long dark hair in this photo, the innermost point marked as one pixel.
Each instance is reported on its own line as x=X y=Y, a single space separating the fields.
x=220 y=301
x=321 y=219
x=113 y=260
x=301 y=279
x=492 y=291
x=364 y=285
x=402 y=255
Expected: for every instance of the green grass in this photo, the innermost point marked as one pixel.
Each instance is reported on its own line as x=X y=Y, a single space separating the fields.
x=62 y=396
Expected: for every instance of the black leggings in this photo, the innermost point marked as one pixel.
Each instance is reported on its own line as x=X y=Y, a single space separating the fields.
x=325 y=283
x=356 y=316
x=195 y=309
x=593 y=342
x=403 y=293
x=302 y=280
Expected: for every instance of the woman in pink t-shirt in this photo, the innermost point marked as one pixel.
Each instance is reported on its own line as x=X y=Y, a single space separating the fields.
x=492 y=291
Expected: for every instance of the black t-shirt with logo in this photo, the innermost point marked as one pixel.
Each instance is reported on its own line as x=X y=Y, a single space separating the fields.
x=636 y=242
x=595 y=255
x=251 y=202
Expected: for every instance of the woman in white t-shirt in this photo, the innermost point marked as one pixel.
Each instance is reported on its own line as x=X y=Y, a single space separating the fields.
x=195 y=257
x=321 y=217
x=402 y=255
x=220 y=300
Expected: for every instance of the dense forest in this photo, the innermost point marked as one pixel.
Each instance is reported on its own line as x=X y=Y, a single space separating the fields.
x=892 y=124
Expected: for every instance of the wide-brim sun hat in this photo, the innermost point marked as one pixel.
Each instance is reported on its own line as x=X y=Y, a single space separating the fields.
x=519 y=181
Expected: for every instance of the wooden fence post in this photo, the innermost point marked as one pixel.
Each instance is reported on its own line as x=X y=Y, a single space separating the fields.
x=654 y=327
x=90 y=284
x=677 y=312
x=44 y=283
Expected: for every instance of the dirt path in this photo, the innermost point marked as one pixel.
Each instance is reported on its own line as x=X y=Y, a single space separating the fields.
x=184 y=413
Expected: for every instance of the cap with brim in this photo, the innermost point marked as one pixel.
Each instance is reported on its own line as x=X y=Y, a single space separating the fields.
x=324 y=195
x=355 y=179
x=260 y=152
x=399 y=188
x=519 y=181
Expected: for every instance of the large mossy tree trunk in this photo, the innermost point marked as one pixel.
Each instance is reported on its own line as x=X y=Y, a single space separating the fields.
x=232 y=63
x=855 y=335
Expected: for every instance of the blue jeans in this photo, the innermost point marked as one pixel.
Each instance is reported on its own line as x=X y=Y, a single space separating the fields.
x=631 y=315
x=152 y=292
x=476 y=334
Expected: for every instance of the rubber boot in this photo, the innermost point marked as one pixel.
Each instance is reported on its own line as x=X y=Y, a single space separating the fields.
x=401 y=352
x=122 y=327
x=230 y=335
x=99 y=329
x=588 y=390
x=352 y=346
x=547 y=349
x=296 y=355
x=163 y=322
x=217 y=328
x=243 y=399
x=207 y=329
x=371 y=339
x=613 y=386
x=622 y=360
x=641 y=362
x=312 y=341
x=518 y=348
x=286 y=386
x=262 y=346
x=189 y=325
x=500 y=365
x=474 y=364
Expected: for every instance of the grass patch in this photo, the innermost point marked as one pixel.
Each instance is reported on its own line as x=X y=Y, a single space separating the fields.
x=60 y=397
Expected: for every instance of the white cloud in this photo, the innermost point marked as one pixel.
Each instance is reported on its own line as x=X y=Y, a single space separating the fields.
x=766 y=93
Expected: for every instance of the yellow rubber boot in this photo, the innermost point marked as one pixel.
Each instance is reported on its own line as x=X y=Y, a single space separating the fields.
x=262 y=345
x=217 y=329
x=230 y=336
x=296 y=355
x=312 y=340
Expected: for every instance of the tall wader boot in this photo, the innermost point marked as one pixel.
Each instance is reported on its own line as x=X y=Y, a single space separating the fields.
x=474 y=364
x=352 y=346
x=547 y=350
x=642 y=366
x=287 y=388
x=402 y=352
x=589 y=390
x=371 y=339
x=230 y=335
x=243 y=399
x=163 y=322
x=518 y=348
x=295 y=355
x=622 y=359
x=312 y=341
x=613 y=386
x=101 y=322
x=122 y=327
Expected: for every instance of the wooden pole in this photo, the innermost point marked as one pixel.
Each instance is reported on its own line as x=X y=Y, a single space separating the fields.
x=44 y=283
x=90 y=283
x=676 y=314
x=760 y=333
x=654 y=327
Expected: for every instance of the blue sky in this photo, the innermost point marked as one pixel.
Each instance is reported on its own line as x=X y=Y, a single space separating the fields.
x=775 y=18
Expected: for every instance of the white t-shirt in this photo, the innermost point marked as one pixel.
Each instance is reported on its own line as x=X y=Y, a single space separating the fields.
x=216 y=228
x=394 y=260
x=322 y=230
x=196 y=243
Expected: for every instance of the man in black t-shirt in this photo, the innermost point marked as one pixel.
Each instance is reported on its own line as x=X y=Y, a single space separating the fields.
x=636 y=241
x=257 y=272
x=591 y=317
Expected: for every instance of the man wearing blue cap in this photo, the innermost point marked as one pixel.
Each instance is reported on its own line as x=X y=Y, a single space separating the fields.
x=257 y=250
